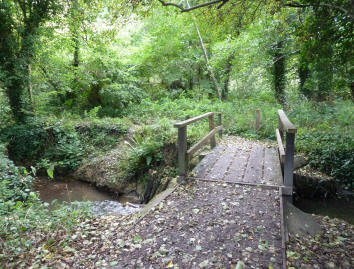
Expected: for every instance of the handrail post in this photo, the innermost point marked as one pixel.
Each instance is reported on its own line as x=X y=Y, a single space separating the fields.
x=182 y=151
x=185 y=155
x=285 y=126
x=258 y=119
x=220 y=123
x=211 y=127
x=289 y=162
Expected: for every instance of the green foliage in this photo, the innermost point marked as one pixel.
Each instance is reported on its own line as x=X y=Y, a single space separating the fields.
x=15 y=184
x=20 y=22
x=22 y=214
x=147 y=148
x=100 y=134
x=330 y=153
x=325 y=41
x=326 y=135
x=45 y=145
x=116 y=98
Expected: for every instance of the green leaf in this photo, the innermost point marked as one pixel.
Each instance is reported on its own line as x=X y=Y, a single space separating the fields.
x=239 y=265
x=50 y=171
x=137 y=239
x=148 y=160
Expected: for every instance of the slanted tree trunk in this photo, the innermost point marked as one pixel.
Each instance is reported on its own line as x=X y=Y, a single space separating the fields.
x=279 y=73
x=205 y=53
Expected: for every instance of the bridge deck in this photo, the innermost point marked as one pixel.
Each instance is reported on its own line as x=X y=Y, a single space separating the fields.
x=241 y=162
x=207 y=224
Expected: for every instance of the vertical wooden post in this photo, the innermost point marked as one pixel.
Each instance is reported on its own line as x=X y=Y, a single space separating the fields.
x=220 y=123
x=289 y=162
x=182 y=150
x=211 y=127
x=258 y=119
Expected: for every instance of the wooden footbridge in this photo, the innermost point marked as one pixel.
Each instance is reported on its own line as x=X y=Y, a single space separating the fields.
x=258 y=165
x=246 y=164
x=226 y=213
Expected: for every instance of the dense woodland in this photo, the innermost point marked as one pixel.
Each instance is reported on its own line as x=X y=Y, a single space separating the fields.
x=77 y=77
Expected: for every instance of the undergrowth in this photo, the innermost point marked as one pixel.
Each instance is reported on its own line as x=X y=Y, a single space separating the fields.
x=26 y=223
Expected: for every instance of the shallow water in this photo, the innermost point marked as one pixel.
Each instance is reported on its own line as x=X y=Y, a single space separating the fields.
x=334 y=208
x=69 y=190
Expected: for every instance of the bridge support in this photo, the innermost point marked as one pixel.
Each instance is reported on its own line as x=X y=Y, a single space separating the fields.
x=182 y=151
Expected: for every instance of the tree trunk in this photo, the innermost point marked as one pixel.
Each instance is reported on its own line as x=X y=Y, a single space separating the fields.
x=228 y=68
x=279 y=73
x=205 y=53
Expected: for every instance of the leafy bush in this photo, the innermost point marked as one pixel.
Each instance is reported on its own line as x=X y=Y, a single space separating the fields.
x=15 y=187
x=117 y=97
x=147 y=148
x=22 y=213
x=101 y=134
x=331 y=153
x=52 y=145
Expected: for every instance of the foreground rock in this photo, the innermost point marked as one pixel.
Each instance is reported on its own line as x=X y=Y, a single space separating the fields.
x=107 y=171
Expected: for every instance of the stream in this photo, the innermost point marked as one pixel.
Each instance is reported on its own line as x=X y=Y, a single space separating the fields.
x=70 y=190
x=341 y=208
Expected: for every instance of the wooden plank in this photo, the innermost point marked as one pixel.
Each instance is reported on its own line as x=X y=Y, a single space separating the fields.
x=182 y=149
x=202 y=142
x=220 y=167
x=207 y=162
x=189 y=121
x=272 y=170
x=268 y=186
x=280 y=146
x=237 y=167
x=286 y=124
x=253 y=173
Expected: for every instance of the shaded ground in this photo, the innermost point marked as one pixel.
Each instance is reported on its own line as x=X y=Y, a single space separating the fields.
x=211 y=225
x=333 y=247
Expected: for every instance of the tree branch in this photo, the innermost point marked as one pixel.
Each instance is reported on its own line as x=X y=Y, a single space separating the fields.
x=183 y=9
x=298 y=5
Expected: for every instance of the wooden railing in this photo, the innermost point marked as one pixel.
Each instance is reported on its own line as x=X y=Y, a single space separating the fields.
x=185 y=155
x=286 y=155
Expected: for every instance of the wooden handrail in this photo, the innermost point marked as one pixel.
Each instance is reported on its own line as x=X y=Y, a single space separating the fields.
x=286 y=157
x=183 y=155
x=189 y=121
x=202 y=142
x=285 y=124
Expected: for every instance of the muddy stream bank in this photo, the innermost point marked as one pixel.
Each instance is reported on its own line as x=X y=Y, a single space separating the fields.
x=70 y=190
